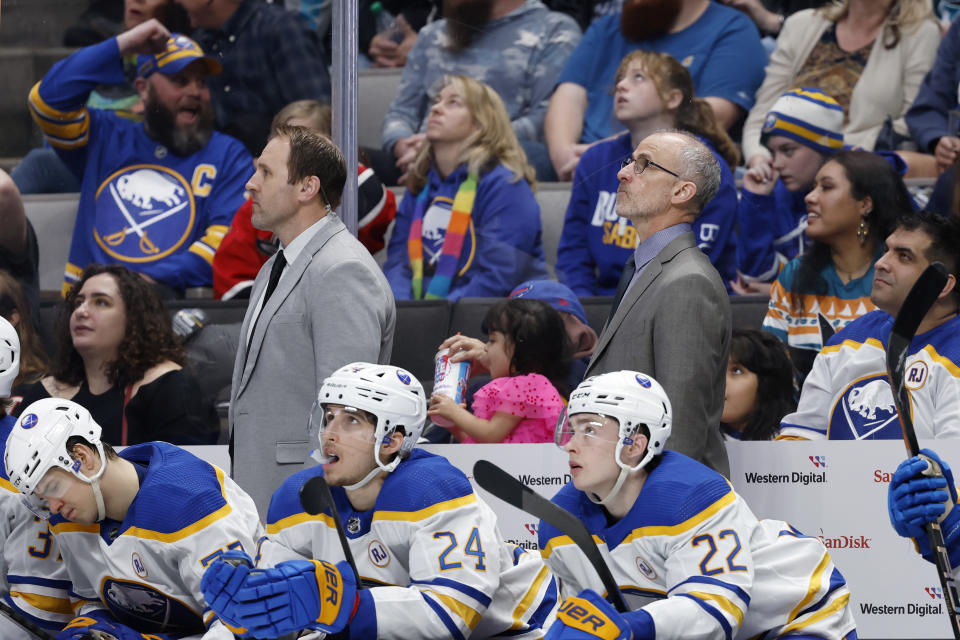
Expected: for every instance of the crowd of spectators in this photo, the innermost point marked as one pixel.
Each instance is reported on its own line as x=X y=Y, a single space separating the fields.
x=810 y=115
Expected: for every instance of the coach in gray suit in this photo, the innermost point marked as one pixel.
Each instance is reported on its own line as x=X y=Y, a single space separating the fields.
x=671 y=316
x=321 y=302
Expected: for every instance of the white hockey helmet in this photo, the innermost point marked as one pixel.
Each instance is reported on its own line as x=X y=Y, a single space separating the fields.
x=393 y=395
x=38 y=443
x=634 y=400
x=9 y=357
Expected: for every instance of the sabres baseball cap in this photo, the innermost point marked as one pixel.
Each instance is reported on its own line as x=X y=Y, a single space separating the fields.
x=559 y=296
x=181 y=51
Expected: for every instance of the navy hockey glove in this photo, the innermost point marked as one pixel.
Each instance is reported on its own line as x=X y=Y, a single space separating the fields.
x=98 y=625
x=296 y=595
x=589 y=617
x=921 y=492
x=221 y=581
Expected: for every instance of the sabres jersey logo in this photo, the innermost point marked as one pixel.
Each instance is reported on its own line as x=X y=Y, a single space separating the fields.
x=865 y=410
x=141 y=606
x=144 y=213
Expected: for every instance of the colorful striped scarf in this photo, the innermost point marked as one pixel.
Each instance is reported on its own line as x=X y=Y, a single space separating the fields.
x=452 y=241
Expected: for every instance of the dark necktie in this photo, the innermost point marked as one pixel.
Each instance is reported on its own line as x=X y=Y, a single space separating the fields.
x=275 y=272
x=278 y=264
x=629 y=269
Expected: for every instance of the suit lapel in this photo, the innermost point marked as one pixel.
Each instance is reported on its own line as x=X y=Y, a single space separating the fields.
x=650 y=273
x=284 y=288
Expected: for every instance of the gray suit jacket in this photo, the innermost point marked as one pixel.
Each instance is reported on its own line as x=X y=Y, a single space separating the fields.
x=674 y=324
x=332 y=307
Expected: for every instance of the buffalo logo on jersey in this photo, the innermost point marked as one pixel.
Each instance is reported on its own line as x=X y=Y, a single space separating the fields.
x=142 y=607
x=144 y=213
x=865 y=410
x=435 y=223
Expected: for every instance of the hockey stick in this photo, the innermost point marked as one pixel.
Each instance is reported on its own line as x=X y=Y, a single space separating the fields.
x=21 y=620
x=315 y=497
x=515 y=493
x=915 y=307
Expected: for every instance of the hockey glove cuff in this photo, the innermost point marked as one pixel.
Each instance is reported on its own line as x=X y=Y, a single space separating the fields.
x=587 y=616
x=297 y=595
x=221 y=581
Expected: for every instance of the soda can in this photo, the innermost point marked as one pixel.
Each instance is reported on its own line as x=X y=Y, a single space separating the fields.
x=449 y=379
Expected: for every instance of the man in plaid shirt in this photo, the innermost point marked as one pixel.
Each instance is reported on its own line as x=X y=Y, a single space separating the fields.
x=270 y=58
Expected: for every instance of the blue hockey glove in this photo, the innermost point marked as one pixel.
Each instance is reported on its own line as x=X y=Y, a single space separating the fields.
x=297 y=595
x=589 y=617
x=922 y=491
x=221 y=581
x=84 y=627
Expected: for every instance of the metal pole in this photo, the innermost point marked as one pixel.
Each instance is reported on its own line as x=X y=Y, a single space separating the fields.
x=344 y=102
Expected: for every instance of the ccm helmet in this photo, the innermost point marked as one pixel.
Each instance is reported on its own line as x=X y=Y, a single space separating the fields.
x=38 y=443
x=634 y=400
x=393 y=395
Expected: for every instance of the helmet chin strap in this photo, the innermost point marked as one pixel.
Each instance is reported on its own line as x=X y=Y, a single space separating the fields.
x=366 y=479
x=98 y=496
x=613 y=492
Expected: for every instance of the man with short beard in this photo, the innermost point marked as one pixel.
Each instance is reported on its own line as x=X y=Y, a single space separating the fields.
x=157 y=196
x=718 y=45
x=518 y=47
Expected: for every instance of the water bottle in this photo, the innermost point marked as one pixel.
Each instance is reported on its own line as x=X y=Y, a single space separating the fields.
x=386 y=23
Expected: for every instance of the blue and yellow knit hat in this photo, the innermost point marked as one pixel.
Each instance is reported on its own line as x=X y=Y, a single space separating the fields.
x=809 y=116
x=181 y=51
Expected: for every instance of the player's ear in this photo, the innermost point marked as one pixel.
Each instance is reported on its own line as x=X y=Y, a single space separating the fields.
x=633 y=453
x=89 y=460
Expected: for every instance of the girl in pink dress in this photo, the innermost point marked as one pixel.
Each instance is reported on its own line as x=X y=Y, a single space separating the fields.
x=528 y=355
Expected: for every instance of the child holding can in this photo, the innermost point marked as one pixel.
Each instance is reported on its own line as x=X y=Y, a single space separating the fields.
x=528 y=355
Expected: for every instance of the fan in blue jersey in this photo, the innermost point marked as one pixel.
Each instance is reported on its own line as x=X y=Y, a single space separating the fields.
x=690 y=558
x=802 y=130
x=425 y=544
x=136 y=530
x=156 y=196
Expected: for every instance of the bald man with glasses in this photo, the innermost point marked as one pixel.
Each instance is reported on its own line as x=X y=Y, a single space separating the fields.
x=671 y=314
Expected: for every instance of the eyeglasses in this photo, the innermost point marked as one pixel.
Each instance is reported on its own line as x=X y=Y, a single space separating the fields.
x=640 y=164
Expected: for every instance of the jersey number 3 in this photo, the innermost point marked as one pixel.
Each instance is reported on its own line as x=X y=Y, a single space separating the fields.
x=472 y=548
x=727 y=537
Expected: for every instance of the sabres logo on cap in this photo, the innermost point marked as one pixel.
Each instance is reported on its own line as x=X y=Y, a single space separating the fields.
x=643 y=382
x=770 y=122
x=403 y=377
x=29 y=421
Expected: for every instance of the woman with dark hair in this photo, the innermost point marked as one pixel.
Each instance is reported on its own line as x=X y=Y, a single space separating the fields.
x=15 y=310
x=119 y=358
x=528 y=355
x=855 y=200
x=759 y=389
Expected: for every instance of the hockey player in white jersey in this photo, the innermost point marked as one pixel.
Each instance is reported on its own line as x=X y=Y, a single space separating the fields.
x=690 y=558
x=136 y=529
x=425 y=544
x=33 y=579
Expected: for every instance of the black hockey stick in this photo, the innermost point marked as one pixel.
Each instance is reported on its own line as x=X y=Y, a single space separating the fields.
x=22 y=620
x=915 y=307
x=315 y=497
x=513 y=492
